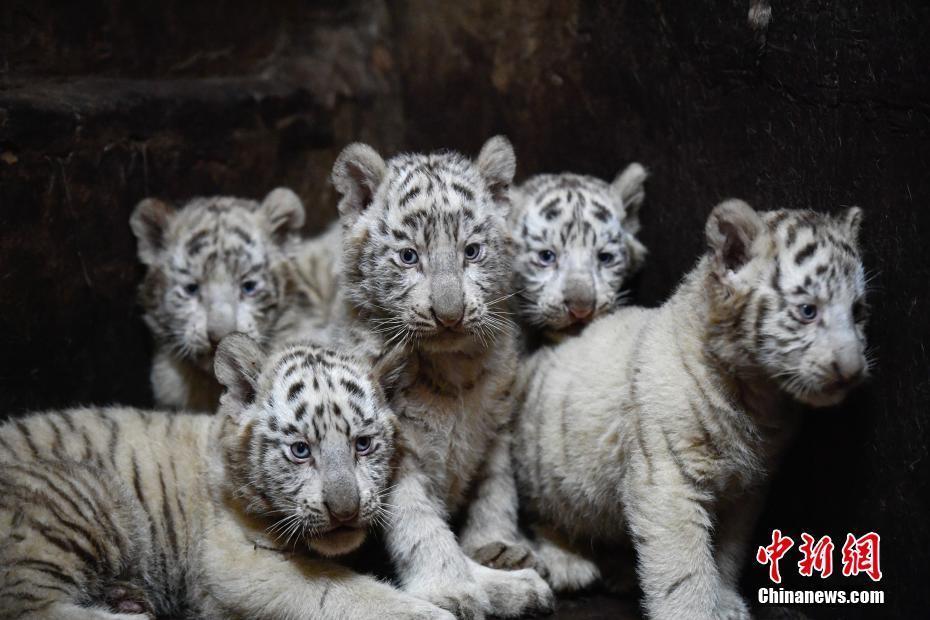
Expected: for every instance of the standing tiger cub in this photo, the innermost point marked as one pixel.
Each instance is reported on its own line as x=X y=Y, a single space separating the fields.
x=426 y=270
x=216 y=266
x=575 y=247
x=117 y=514
x=665 y=422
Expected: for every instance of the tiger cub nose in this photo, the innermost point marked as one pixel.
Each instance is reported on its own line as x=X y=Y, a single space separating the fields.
x=342 y=514
x=448 y=319
x=847 y=371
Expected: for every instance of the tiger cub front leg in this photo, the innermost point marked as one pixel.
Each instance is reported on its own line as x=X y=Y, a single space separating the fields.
x=491 y=536
x=736 y=522
x=429 y=562
x=671 y=531
x=251 y=581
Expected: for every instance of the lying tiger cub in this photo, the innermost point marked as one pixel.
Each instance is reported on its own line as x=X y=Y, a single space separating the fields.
x=117 y=513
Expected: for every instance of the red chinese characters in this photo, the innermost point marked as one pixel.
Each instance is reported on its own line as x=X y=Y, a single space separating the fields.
x=817 y=556
x=860 y=555
x=773 y=553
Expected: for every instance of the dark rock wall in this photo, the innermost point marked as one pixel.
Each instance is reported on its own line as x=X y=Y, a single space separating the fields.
x=827 y=106
x=104 y=103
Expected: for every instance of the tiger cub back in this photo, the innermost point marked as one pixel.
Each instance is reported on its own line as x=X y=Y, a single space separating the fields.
x=575 y=247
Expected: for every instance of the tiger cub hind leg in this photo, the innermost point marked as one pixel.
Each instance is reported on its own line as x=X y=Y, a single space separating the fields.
x=74 y=540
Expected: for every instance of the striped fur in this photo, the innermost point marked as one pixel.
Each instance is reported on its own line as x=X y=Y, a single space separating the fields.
x=664 y=422
x=216 y=266
x=315 y=267
x=426 y=272
x=121 y=513
x=575 y=246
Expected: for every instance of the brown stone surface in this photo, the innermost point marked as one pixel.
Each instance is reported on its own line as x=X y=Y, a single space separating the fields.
x=103 y=103
x=84 y=136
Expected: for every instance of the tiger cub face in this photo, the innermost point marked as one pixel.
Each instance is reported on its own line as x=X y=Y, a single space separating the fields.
x=791 y=298
x=426 y=244
x=313 y=442
x=214 y=267
x=575 y=245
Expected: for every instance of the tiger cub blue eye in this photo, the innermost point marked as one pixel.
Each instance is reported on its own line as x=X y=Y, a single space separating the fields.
x=473 y=251
x=605 y=257
x=363 y=445
x=300 y=450
x=546 y=257
x=191 y=288
x=808 y=312
x=249 y=287
x=408 y=256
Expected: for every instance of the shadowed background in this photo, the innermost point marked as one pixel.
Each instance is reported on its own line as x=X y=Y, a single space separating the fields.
x=103 y=103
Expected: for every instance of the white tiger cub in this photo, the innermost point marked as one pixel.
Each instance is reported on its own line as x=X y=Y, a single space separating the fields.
x=216 y=266
x=118 y=514
x=664 y=422
x=426 y=269
x=315 y=266
x=575 y=247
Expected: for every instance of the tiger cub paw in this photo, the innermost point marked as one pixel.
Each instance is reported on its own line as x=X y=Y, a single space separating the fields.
x=417 y=609
x=122 y=597
x=565 y=570
x=731 y=606
x=507 y=556
x=515 y=593
x=464 y=599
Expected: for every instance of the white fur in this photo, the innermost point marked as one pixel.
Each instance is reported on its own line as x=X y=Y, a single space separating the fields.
x=665 y=422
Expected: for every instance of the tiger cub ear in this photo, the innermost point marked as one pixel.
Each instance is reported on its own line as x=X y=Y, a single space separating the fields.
x=357 y=174
x=852 y=221
x=732 y=228
x=497 y=164
x=148 y=221
x=237 y=364
x=284 y=212
x=388 y=371
x=628 y=190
